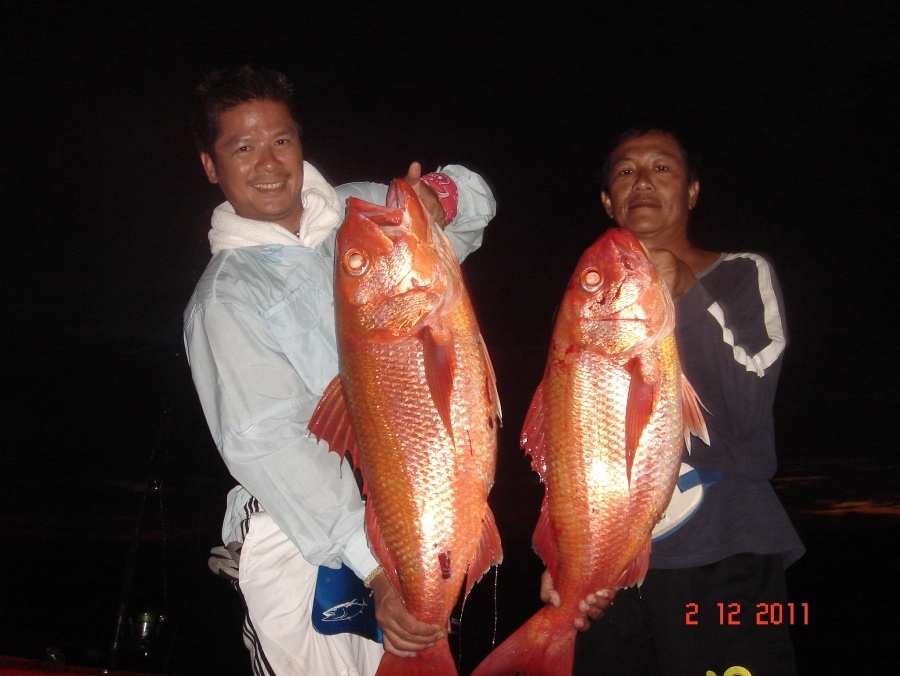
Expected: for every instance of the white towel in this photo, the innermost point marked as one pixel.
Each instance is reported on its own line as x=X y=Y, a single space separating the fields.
x=322 y=213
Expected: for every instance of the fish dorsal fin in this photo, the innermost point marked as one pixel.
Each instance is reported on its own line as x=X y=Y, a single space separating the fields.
x=489 y=553
x=544 y=538
x=642 y=390
x=440 y=363
x=492 y=381
x=694 y=422
x=331 y=423
x=532 y=439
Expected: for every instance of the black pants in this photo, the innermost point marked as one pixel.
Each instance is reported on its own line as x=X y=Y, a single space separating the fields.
x=685 y=622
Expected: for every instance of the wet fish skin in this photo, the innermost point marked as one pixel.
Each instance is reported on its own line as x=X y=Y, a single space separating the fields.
x=415 y=404
x=605 y=432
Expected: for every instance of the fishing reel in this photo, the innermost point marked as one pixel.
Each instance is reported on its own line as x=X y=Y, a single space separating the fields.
x=144 y=628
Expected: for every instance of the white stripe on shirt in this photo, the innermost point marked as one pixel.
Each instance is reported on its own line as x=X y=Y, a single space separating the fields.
x=763 y=359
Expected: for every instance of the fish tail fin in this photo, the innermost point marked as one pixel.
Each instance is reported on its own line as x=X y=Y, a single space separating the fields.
x=436 y=660
x=537 y=648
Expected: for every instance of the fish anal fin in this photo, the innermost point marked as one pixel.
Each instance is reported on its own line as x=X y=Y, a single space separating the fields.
x=532 y=439
x=331 y=422
x=440 y=362
x=694 y=422
x=641 y=400
x=544 y=538
x=489 y=553
x=379 y=547
x=634 y=574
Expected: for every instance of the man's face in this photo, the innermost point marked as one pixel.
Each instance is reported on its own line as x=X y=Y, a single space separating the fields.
x=649 y=189
x=258 y=162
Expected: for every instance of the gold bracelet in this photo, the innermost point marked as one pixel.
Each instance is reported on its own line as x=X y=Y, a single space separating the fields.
x=371 y=576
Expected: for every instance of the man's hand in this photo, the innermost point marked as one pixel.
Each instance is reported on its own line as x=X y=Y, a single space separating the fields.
x=426 y=194
x=677 y=275
x=591 y=607
x=404 y=635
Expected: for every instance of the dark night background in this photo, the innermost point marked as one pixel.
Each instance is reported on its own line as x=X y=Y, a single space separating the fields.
x=792 y=106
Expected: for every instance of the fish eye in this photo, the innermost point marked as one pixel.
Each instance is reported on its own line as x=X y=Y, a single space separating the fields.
x=591 y=279
x=356 y=262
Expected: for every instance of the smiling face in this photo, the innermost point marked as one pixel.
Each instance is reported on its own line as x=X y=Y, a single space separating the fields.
x=258 y=162
x=650 y=192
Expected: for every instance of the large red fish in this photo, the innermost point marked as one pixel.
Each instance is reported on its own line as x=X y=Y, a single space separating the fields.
x=605 y=433
x=415 y=403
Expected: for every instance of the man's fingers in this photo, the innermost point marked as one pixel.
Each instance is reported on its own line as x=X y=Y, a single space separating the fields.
x=407 y=641
x=413 y=174
x=404 y=635
x=390 y=647
x=588 y=608
x=548 y=593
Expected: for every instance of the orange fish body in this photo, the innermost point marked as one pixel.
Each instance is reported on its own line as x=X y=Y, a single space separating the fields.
x=605 y=432
x=415 y=403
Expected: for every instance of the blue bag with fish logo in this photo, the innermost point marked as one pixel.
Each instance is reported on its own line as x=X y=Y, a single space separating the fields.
x=342 y=604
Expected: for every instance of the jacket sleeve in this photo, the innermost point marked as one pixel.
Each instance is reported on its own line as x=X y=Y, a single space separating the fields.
x=476 y=208
x=258 y=410
x=731 y=338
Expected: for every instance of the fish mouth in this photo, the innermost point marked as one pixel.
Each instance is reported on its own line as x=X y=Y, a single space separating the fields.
x=412 y=286
x=632 y=313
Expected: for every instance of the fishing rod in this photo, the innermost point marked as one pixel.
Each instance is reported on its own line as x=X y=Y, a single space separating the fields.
x=144 y=625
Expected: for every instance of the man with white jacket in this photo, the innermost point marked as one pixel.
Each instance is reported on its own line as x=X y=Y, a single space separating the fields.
x=260 y=337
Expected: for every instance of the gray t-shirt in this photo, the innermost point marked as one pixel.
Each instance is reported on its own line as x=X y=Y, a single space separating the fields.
x=731 y=338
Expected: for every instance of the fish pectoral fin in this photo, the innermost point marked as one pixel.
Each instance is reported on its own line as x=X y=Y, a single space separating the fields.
x=532 y=439
x=642 y=392
x=694 y=422
x=634 y=574
x=544 y=538
x=489 y=553
x=440 y=363
x=331 y=422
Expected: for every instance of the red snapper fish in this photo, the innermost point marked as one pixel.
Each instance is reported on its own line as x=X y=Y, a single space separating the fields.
x=605 y=432
x=415 y=404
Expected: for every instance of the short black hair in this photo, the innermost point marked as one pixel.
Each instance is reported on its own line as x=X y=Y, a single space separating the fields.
x=636 y=131
x=223 y=89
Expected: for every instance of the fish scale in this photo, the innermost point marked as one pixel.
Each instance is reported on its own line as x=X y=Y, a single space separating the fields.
x=415 y=404
x=605 y=433
x=408 y=493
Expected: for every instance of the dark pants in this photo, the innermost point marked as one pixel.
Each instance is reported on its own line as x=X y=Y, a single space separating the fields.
x=685 y=622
